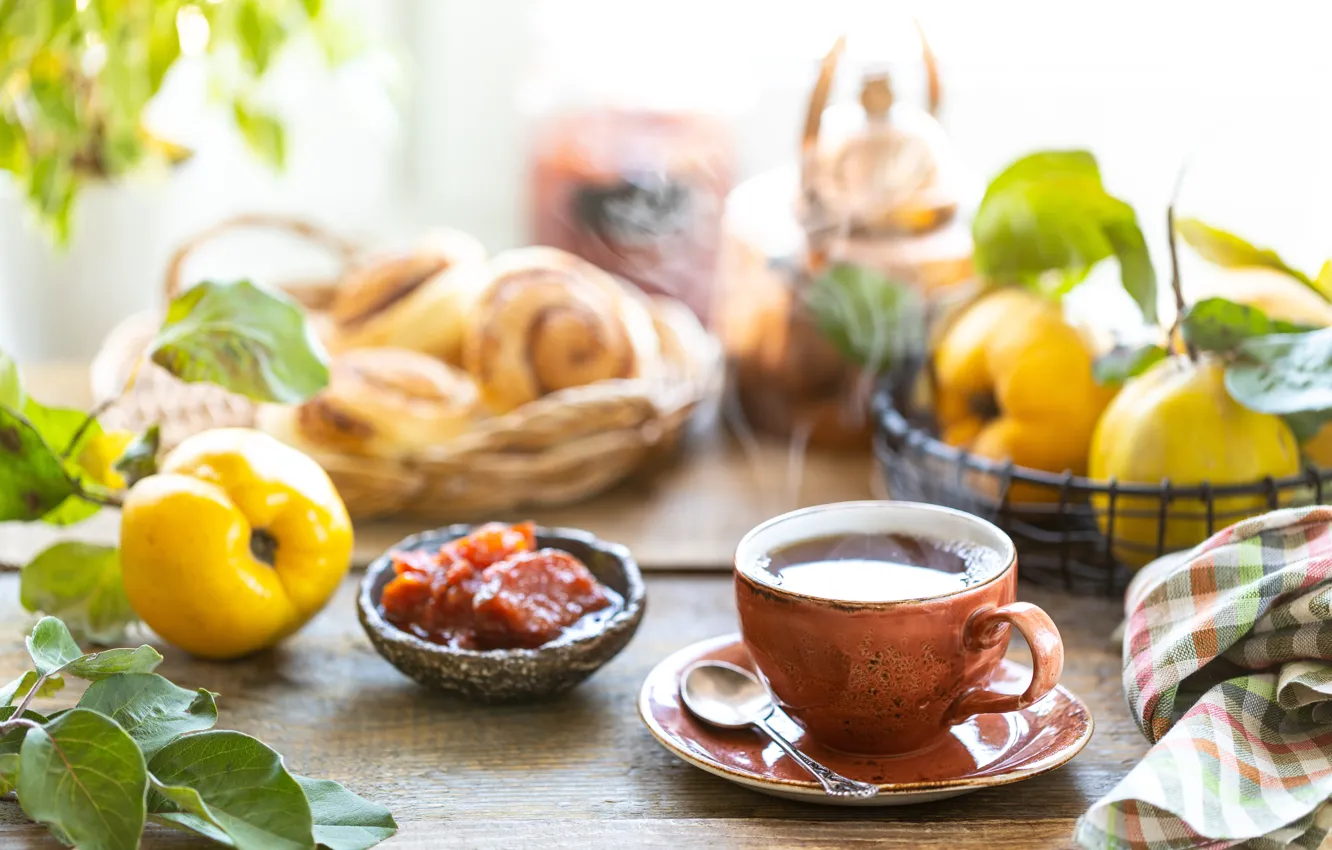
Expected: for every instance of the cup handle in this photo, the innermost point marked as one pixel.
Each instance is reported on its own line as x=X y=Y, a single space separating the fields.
x=985 y=630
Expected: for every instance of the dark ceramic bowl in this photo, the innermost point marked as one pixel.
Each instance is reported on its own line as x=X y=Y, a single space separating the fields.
x=503 y=675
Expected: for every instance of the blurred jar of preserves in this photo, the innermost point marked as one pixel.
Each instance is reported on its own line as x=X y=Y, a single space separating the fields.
x=631 y=152
x=832 y=270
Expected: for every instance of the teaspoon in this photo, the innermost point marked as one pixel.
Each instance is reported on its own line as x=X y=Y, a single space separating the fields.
x=732 y=698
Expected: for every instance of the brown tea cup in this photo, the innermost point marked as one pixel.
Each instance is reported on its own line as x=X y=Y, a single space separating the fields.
x=882 y=678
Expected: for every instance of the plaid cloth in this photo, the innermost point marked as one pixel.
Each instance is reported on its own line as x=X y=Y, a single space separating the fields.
x=1228 y=671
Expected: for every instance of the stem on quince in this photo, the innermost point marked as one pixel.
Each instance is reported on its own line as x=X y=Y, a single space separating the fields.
x=1189 y=348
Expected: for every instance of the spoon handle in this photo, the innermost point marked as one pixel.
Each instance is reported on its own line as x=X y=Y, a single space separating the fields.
x=834 y=784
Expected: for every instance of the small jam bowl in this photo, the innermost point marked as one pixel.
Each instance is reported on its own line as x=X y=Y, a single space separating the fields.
x=509 y=675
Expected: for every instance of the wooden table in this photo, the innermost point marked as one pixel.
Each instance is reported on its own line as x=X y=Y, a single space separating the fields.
x=581 y=771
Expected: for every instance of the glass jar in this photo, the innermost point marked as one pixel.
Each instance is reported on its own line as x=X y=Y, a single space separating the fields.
x=632 y=156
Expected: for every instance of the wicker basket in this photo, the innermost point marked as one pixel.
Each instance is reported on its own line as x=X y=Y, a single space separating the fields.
x=561 y=448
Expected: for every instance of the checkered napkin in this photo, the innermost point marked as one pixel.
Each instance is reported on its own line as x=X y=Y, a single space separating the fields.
x=1228 y=671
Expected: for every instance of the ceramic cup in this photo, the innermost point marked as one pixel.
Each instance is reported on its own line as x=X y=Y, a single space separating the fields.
x=881 y=678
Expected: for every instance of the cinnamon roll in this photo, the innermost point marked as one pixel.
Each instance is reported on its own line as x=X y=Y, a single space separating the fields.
x=684 y=342
x=546 y=321
x=416 y=300
x=381 y=402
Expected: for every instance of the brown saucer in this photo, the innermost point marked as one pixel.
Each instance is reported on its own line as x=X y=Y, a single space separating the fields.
x=985 y=751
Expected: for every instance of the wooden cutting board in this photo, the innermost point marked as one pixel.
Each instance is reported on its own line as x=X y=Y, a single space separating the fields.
x=687 y=517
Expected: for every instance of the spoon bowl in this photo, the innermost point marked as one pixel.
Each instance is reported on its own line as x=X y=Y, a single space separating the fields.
x=725 y=695
x=733 y=698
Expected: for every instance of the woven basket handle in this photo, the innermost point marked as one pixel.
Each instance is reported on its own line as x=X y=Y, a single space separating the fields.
x=343 y=249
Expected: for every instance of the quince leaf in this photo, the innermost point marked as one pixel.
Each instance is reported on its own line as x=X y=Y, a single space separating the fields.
x=1048 y=213
x=12 y=741
x=343 y=820
x=84 y=777
x=81 y=584
x=1216 y=324
x=1126 y=361
x=243 y=339
x=869 y=318
x=229 y=785
x=96 y=666
x=58 y=427
x=1230 y=251
x=140 y=457
x=51 y=646
x=1284 y=374
x=9 y=768
x=11 y=384
x=32 y=480
x=18 y=689
x=150 y=708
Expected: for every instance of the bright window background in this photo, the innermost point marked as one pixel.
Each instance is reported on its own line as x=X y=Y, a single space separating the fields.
x=1242 y=90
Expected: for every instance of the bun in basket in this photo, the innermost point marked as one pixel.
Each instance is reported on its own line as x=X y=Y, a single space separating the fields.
x=416 y=300
x=546 y=321
x=380 y=402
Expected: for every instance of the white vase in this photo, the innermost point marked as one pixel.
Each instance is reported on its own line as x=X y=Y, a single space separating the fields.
x=58 y=303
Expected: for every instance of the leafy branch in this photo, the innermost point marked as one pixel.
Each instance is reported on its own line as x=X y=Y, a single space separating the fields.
x=137 y=747
x=59 y=466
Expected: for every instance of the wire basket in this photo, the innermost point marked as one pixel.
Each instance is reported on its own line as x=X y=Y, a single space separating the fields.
x=1071 y=531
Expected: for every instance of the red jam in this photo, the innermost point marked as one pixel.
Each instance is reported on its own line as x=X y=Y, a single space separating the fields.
x=492 y=589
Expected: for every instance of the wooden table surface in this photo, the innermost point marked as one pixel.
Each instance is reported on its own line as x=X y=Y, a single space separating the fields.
x=688 y=516
x=581 y=771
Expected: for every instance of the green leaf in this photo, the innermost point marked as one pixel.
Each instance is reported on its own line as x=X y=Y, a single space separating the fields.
x=163 y=44
x=51 y=646
x=1284 y=374
x=343 y=820
x=83 y=777
x=51 y=189
x=1230 y=251
x=96 y=666
x=260 y=33
x=1305 y=426
x=12 y=741
x=262 y=133
x=9 y=769
x=1215 y=324
x=1049 y=213
x=11 y=383
x=871 y=320
x=81 y=584
x=32 y=480
x=150 y=708
x=241 y=790
x=1126 y=361
x=313 y=7
x=18 y=689
x=244 y=339
x=140 y=457
x=58 y=427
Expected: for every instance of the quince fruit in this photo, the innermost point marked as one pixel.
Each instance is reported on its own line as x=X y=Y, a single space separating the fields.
x=1013 y=380
x=234 y=544
x=1176 y=421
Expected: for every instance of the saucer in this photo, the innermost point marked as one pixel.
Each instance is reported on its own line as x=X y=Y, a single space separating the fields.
x=985 y=751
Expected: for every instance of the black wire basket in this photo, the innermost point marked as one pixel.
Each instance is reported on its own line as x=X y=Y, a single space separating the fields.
x=1084 y=535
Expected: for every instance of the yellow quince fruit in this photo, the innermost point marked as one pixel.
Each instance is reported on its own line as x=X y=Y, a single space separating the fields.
x=234 y=544
x=1176 y=421
x=1013 y=381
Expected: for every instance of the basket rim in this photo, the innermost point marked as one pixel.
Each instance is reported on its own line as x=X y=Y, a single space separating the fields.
x=892 y=424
